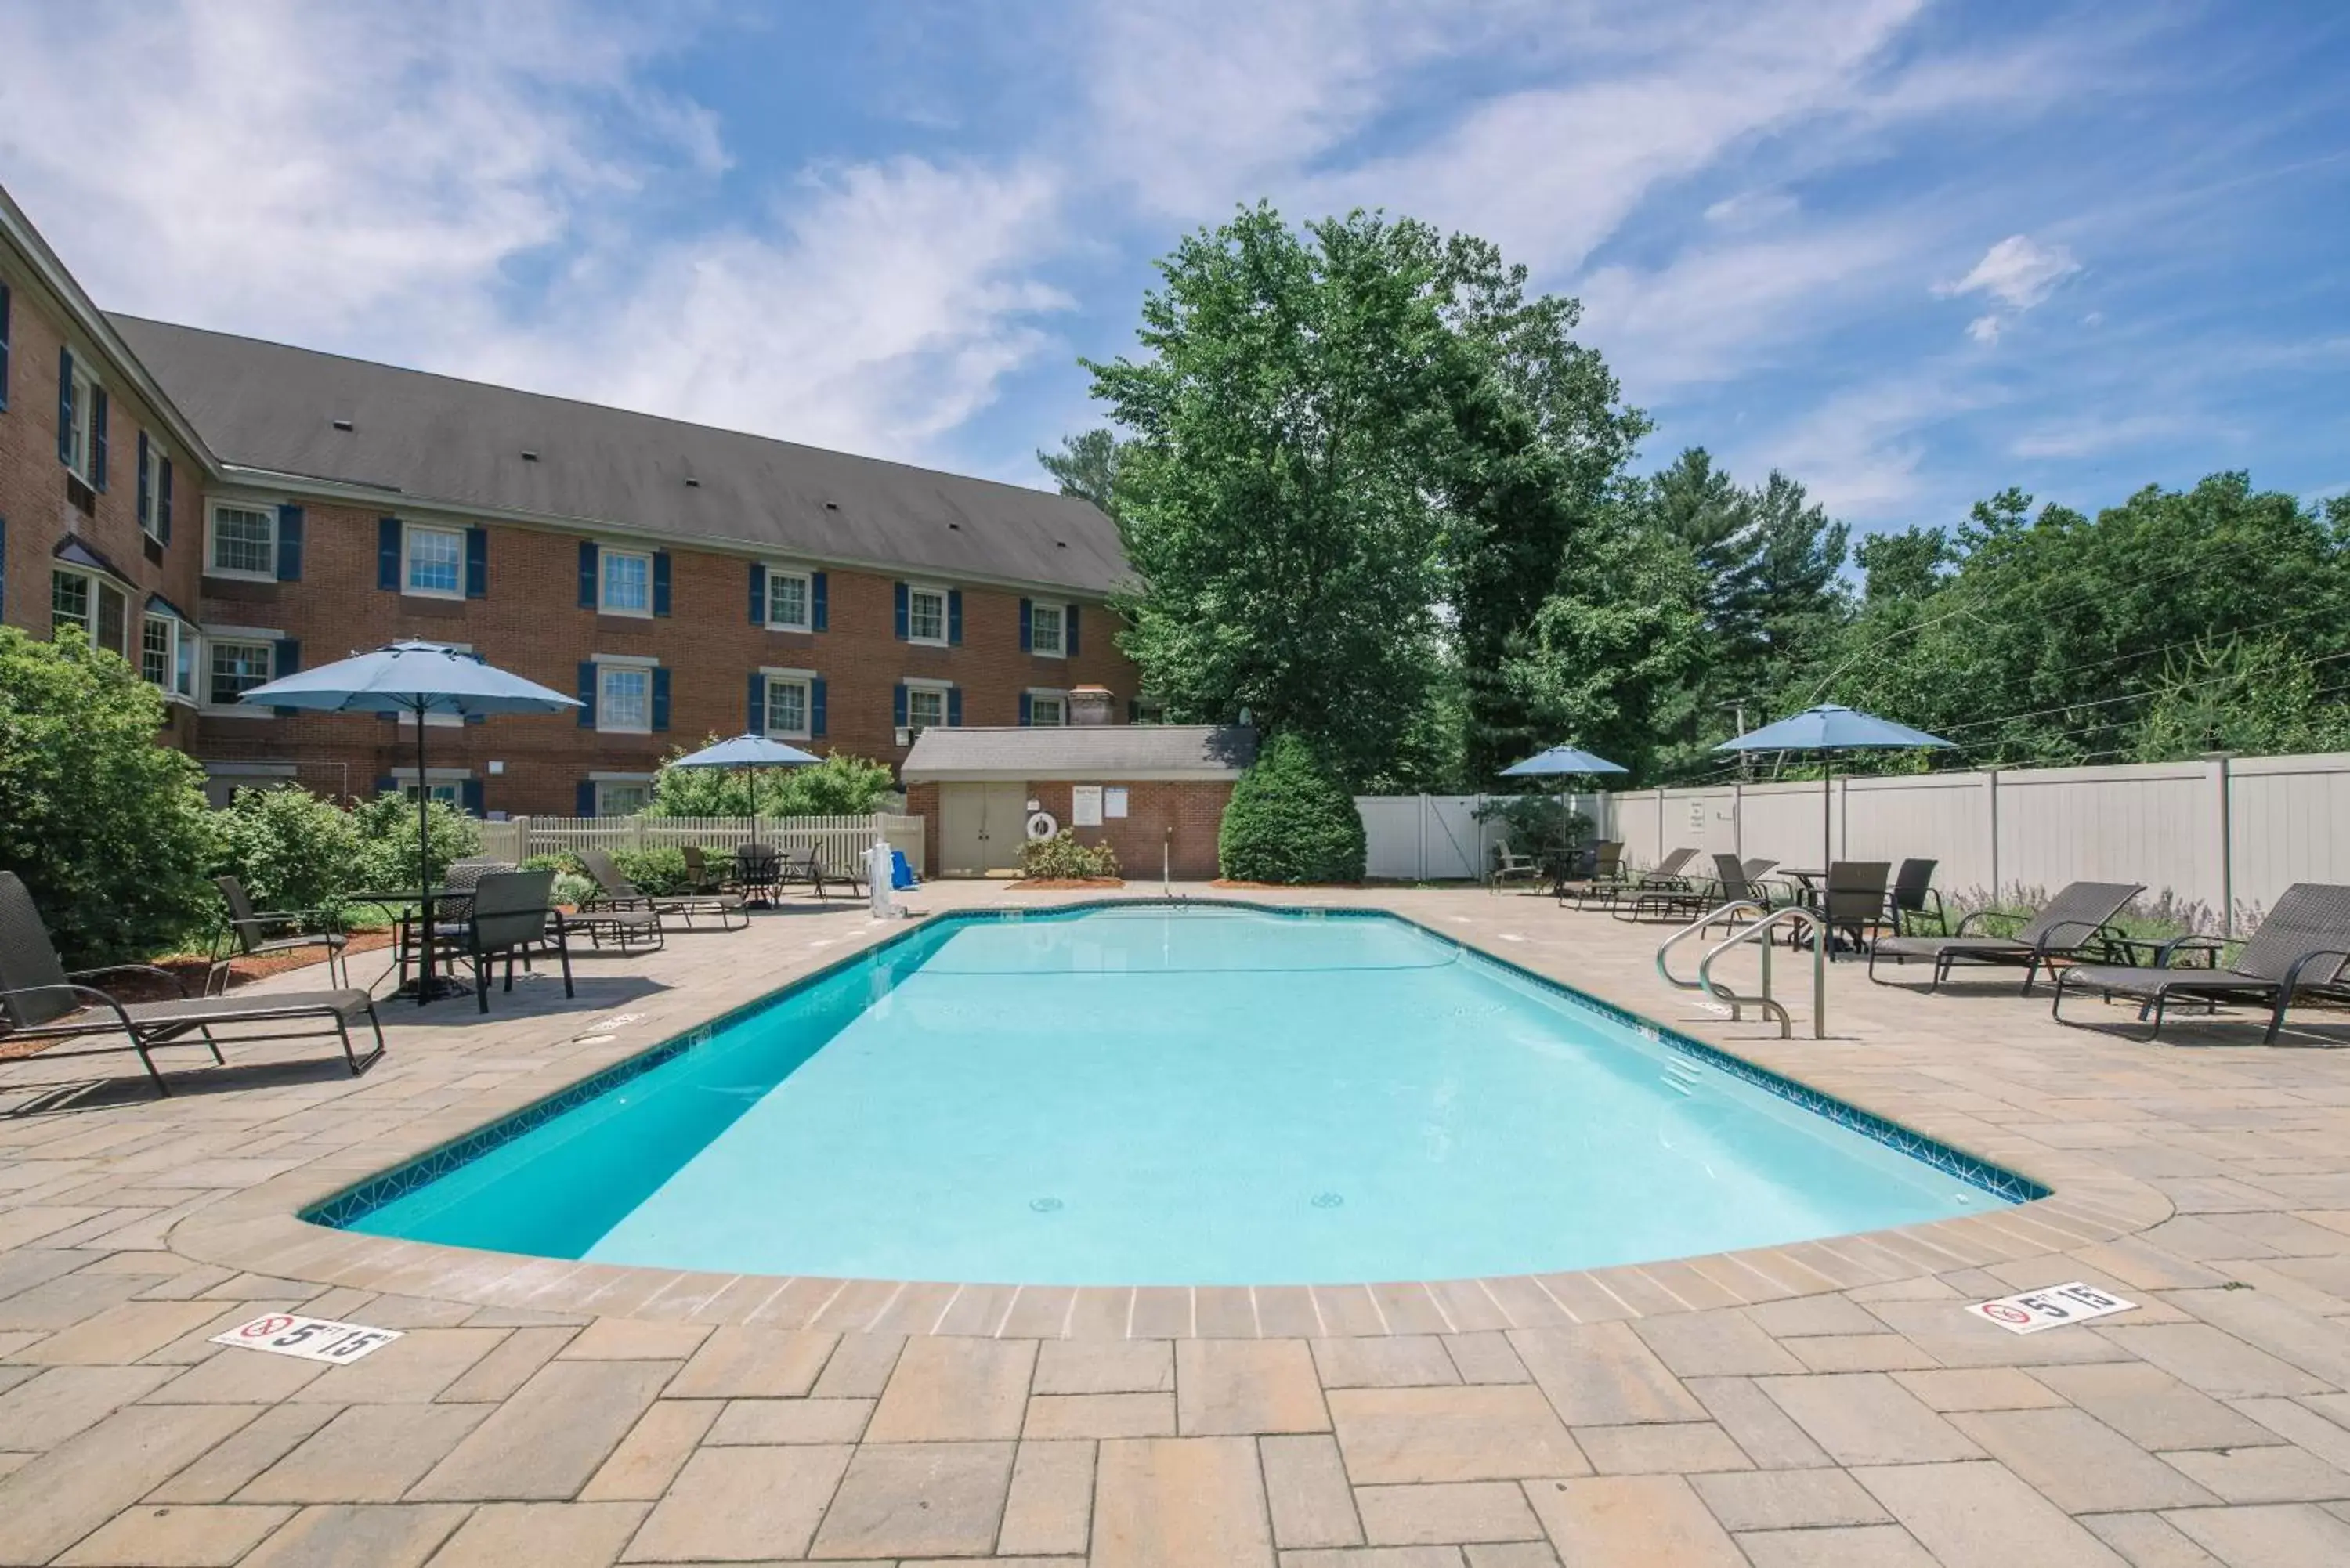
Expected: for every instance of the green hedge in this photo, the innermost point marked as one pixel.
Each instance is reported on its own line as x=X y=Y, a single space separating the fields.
x=1291 y=819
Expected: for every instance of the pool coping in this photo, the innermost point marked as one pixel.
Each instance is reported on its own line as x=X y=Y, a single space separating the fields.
x=263 y=1229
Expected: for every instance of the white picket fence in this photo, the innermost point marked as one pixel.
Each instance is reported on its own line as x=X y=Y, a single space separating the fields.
x=840 y=840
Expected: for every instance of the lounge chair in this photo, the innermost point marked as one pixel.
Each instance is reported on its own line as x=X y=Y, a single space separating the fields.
x=1605 y=880
x=1913 y=897
x=40 y=1000
x=2076 y=917
x=1669 y=872
x=1735 y=881
x=616 y=892
x=264 y=933
x=698 y=876
x=2303 y=945
x=1509 y=865
x=512 y=915
x=807 y=867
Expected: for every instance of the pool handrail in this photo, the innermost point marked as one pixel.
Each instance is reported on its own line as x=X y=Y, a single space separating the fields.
x=1764 y=1002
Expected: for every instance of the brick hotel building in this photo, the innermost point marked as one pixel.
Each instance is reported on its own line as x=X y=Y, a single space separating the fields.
x=223 y=511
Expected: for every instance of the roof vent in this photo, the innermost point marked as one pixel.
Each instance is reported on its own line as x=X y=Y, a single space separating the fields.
x=693 y=484
x=832 y=506
x=955 y=526
x=1060 y=543
x=529 y=456
x=342 y=424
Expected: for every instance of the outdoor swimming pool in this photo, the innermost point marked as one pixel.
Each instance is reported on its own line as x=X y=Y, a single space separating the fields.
x=1171 y=1095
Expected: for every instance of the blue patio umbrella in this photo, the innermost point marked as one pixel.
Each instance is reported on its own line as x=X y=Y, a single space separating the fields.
x=417 y=679
x=1562 y=760
x=749 y=752
x=1829 y=729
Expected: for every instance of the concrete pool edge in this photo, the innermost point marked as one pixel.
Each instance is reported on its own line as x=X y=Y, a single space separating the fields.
x=260 y=1229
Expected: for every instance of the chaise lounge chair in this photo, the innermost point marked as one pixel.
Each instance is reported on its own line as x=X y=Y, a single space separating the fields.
x=2302 y=946
x=2074 y=917
x=616 y=892
x=40 y=1000
x=1605 y=882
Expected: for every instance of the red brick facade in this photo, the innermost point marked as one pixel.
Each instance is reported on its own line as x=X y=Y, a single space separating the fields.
x=1177 y=817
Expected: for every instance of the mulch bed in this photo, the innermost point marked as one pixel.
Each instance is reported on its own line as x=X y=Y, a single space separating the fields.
x=1277 y=887
x=1055 y=884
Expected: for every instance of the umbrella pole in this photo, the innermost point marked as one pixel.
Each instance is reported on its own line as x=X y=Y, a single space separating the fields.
x=1827 y=812
x=423 y=865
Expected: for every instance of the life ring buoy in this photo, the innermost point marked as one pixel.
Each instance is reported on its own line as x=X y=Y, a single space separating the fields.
x=1041 y=825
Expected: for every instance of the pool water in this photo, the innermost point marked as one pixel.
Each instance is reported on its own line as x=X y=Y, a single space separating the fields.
x=1174 y=1094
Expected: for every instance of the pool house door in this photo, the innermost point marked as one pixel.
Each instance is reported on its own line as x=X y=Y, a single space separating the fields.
x=982 y=827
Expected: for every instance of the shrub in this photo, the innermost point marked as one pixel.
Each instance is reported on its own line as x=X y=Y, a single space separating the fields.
x=1061 y=857
x=658 y=871
x=291 y=849
x=840 y=786
x=1537 y=824
x=1291 y=819
x=573 y=886
x=108 y=829
x=386 y=829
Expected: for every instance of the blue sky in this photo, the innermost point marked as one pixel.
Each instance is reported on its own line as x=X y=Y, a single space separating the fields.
x=1909 y=252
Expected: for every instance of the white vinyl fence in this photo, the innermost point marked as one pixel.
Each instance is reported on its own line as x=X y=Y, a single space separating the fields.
x=1436 y=837
x=2217 y=840
x=841 y=840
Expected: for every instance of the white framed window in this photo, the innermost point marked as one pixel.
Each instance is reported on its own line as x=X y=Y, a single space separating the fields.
x=925 y=706
x=624 y=698
x=926 y=616
x=234 y=666
x=241 y=542
x=622 y=797
x=1044 y=622
x=82 y=446
x=433 y=561
x=787 y=707
x=1047 y=709
x=448 y=792
x=789 y=597
x=99 y=607
x=152 y=460
x=167 y=654
x=624 y=582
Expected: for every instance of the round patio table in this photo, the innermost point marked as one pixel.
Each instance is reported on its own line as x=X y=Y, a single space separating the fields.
x=403 y=905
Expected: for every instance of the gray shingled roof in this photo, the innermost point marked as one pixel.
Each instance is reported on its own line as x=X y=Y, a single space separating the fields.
x=1082 y=752
x=460 y=444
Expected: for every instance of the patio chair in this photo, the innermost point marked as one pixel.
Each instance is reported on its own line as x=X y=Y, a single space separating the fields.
x=40 y=1000
x=1601 y=883
x=806 y=868
x=1669 y=872
x=2076 y=917
x=450 y=907
x=263 y=933
x=699 y=876
x=758 y=872
x=616 y=892
x=1735 y=881
x=2303 y=945
x=512 y=915
x=1913 y=897
x=1853 y=902
x=1509 y=865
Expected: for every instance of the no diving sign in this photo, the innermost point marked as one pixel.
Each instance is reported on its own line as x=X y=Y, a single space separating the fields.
x=2051 y=1308
x=307 y=1339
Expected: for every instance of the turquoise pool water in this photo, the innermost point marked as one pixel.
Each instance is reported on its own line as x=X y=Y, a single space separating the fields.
x=1171 y=1095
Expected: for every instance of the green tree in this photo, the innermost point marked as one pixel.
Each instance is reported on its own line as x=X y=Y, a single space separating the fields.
x=107 y=829
x=2255 y=696
x=839 y=785
x=291 y=849
x=386 y=829
x=1086 y=467
x=1905 y=565
x=1292 y=819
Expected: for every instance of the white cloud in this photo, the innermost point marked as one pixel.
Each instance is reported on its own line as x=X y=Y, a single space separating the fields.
x=2094 y=437
x=2019 y=272
x=1860 y=451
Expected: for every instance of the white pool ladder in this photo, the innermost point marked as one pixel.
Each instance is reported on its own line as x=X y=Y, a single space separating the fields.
x=1758 y=931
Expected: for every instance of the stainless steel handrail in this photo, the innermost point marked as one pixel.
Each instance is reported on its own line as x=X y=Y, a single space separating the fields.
x=1768 y=1005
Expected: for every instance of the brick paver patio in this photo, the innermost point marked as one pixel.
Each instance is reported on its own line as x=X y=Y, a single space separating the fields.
x=1820 y=1405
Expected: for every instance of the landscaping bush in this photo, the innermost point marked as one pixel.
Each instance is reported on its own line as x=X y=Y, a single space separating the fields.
x=291 y=849
x=840 y=786
x=573 y=886
x=108 y=829
x=387 y=830
x=1061 y=857
x=1291 y=819
x=658 y=871
x=1538 y=825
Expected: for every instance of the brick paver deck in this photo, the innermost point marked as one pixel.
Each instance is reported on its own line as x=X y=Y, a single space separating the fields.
x=1819 y=1404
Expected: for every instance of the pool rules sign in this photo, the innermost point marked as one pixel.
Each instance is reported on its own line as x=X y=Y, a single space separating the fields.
x=307 y=1339
x=2051 y=1308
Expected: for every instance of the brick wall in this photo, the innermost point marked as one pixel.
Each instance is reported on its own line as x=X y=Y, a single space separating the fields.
x=529 y=622
x=33 y=483
x=1182 y=815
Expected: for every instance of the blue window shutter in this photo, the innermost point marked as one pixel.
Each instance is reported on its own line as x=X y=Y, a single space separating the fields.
x=65 y=406
x=1069 y=631
x=289 y=544
x=583 y=803
x=98 y=438
x=1023 y=710
x=901 y=619
x=469 y=793
x=4 y=567
x=898 y=705
x=660 y=698
x=587 y=696
x=954 y=707
x=1027 y=637
x=661 y=582
x=145 y=490
x=816 y=709
x=1134 y=711
x=819 y=614
x=586 y=574
x=758 y=722
x=385 y=783
x=163 y=504
x=387 y=554
x=287 y=660
x=477 y=562
x=758 y=596
x=954 y=617
x=4 y=345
